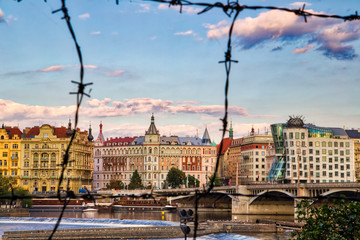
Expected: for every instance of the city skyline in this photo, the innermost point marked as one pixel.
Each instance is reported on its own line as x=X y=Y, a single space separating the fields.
x=141 y=64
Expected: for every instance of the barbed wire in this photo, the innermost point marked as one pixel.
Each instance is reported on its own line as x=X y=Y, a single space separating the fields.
x=229 y=9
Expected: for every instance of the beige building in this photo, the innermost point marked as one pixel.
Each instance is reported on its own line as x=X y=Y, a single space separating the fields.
x=152 y=155
x=42 y=152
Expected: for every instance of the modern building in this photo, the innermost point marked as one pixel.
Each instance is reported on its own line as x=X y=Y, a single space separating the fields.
x=152 y=156
x=354 y=135
x=307 y=153
x=42 y=154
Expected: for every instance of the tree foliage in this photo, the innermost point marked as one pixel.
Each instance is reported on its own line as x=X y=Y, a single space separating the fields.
x=175 y=177
x=6 y=184
x=340 y=220
x=192 y=181
x=217 y=181
x=115 y=184
x=135 y=181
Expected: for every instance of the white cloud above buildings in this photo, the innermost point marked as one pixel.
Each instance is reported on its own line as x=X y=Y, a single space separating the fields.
x=107 y=107
x=331 y=36
x=84 y=16
x=184 y=9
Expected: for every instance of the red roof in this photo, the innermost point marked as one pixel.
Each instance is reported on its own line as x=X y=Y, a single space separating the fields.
x=33 y=132
x=225 y=146
x=60 y=132
x=120 y=140
x=12 y=131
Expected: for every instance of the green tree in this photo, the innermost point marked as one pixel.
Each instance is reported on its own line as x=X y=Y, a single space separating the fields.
x=192 y=181
x=115 y=184
x=5 y=190
x=340 y=220
x=175 y=177
x=217 y=181
x=135 y=181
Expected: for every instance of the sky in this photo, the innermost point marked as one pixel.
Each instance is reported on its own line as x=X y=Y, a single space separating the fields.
x=147 y=58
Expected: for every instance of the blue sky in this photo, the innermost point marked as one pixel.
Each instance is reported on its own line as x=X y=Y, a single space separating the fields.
x=144 y=57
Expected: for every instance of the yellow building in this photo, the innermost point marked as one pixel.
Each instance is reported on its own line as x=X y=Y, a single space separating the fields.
x=42 y=154
x=10 y=147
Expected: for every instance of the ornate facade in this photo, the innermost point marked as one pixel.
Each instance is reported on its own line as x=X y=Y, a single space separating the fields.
x=152 y=156
x=42 y=151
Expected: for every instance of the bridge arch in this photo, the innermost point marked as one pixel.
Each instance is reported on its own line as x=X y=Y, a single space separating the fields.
x=275 y=195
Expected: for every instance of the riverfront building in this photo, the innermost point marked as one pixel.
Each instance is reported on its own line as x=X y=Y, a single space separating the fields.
x=354 y=135
x=42 y=152
x=10 y=147
x=307 y=153
x=253 y=157
x=152 y=156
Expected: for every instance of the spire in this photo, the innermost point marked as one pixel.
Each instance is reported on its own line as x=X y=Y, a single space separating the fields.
x=69 y=131
x=100 y=136
x=231 y=131
x=206 y=137
x=252 y=133
x=152 y=128
x=90 y=136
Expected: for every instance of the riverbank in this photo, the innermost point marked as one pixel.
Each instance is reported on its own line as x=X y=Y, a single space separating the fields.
x=14 y=212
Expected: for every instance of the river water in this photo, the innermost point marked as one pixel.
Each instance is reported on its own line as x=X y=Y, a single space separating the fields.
x=47 y=220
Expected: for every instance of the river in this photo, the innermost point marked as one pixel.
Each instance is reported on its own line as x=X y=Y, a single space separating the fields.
x=46 y=220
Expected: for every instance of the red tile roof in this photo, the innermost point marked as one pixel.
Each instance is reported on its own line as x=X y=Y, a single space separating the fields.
x=120 y=140
x=33 y=132
x=60 y=132
x=12 y=131
x=225 y=146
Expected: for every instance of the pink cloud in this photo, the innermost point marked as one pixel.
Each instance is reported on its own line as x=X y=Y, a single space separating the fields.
x=84 y=16
x=189 y=32
x=303 y=50
x=90 y=66
x=115 y=73
x=52 y=68
x=128 y=107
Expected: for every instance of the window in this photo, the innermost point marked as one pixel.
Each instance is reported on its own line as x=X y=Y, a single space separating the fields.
x=302 y=135
x=310 y=144
x=6 y=146
x=291 y=135
x=347 y=144
x=317 y=144
x=297 y=135
x=15 y=146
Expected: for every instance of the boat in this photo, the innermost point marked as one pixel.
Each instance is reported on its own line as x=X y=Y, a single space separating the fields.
x=170 y=207
x=90 y=209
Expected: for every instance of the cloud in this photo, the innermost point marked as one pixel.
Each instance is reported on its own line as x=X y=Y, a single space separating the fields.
x=300 y=4
x=11 y=110
x=153 y=38
x=2 y=19
x=333 y=40
x=84 y=16
x=95 y=33
x=303 y=50
x=144 y=8
x=189 y=33
x=115 y=73
x=331 y=35
x=278 y=48
x=184 y=9
x=52 y=68
x=128 y=107
x=90 y=66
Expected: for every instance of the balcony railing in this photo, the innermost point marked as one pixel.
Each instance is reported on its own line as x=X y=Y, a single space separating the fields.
x=14 y=157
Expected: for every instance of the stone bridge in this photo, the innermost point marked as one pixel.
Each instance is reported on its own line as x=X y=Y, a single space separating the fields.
x=281 y=198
